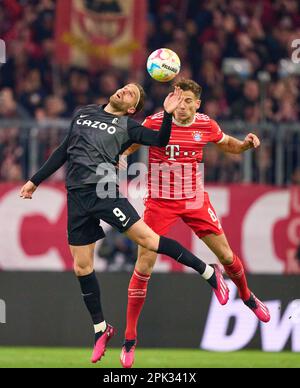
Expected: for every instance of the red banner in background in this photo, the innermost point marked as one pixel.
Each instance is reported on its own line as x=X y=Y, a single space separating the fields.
x=262 y=225
x=93 y=33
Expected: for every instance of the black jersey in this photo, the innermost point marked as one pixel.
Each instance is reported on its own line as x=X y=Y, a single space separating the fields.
x=94 y=143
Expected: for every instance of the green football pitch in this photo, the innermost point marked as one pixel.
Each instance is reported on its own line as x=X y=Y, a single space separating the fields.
x=145 y=358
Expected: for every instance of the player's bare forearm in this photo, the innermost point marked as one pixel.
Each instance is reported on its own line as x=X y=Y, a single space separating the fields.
x=235 y=146
x=122 y=165
x=131 y=150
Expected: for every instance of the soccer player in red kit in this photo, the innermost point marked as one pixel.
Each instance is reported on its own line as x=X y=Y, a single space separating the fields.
x=168 y=201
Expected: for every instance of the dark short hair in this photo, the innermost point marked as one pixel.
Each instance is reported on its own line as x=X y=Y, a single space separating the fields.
x=189 y=84
x=141 y=103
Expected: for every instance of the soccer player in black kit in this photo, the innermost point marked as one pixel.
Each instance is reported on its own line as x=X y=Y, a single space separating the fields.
x=97 y=136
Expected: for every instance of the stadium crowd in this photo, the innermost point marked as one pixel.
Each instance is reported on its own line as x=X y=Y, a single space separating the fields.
x=203 y=33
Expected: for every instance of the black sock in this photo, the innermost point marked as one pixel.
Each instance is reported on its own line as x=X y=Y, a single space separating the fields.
x=175 y=250
x=91 y=295
x=129 y=344
x=251 y=302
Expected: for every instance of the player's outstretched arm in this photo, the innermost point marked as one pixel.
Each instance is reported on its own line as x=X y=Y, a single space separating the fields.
x=235 y=146
x=55 y=161
x=142 y=135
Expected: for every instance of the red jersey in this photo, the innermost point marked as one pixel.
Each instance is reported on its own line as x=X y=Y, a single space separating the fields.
x=174 y=171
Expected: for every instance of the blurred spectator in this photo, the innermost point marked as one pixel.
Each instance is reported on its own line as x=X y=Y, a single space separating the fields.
x=55 y=107
x=9 y=108
x=33 y=95
x=12 y=153
x=248 y=104
x=202 y=33
x=119 y=251
x=79 y=90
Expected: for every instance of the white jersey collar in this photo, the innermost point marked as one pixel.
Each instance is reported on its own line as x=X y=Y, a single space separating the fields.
x=184 y=125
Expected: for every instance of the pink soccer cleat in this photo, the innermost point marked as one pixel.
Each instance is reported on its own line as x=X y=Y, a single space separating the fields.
x=100 y=346
x=127 y=354
x=259 y=308
x=222 y=290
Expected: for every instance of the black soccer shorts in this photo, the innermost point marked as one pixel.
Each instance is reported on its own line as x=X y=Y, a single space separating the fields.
x=86 y=210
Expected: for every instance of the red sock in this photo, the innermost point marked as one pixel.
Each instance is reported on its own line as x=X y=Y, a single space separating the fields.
x=236 y=273
x=137 y=292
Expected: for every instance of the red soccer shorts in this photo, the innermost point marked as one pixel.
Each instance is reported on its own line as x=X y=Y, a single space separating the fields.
x=161 y=214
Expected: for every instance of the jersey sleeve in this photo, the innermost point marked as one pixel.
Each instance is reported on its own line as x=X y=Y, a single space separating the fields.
x=148 y=122
x=55 y=161
x=142 y=135
x=217 y=135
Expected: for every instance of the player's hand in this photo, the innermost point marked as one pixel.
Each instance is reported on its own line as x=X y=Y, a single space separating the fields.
x=122 y=165
x=173 y=100
x=27 y=190
x=251 y=141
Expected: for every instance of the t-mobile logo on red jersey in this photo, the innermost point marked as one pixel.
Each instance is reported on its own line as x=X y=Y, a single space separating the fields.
x=173 y=151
